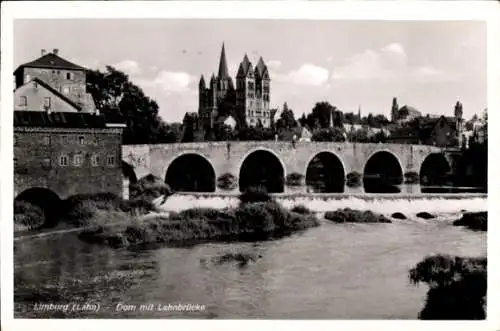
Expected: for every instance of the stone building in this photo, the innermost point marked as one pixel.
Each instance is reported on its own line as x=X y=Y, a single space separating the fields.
x=247 y=102
x=61 y=142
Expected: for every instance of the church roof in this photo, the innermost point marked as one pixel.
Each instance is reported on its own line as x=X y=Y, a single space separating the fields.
x=245 y=67
x=51 y=61
x=223 y=71
x=261 y=67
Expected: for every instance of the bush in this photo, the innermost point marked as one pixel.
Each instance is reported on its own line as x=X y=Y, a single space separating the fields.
x=227 y=182
x=149 y=187
x=353 y=179
x=411 y=177
x=255 y=194
x=399 y=216
x=474 y=221
x=28 y=215
x=249 y=221
x=348 y=215
x=457 y=287
x=294 y=179
x=301 y=209
x=425 y=215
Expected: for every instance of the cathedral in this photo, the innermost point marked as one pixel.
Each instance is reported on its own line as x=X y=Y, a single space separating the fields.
x=247 y=103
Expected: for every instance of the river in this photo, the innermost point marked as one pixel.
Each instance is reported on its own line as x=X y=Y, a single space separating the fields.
x=335 y=271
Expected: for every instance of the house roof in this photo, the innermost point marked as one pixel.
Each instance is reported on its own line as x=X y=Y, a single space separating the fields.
x=56 y=92
x=51 y=61
x=64 y=120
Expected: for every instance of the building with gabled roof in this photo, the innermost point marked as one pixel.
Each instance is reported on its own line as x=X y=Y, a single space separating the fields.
x=62 y=145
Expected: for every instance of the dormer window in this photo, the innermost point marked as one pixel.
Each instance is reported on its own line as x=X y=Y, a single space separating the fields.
x=27 y=78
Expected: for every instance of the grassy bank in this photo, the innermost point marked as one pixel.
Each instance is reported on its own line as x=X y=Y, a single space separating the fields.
x=457 y=287
x=90 y=209
x=258 y=217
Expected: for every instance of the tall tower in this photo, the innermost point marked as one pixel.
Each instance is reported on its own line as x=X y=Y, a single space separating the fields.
x=458 y=118
x=394 y=110
x=245 y=92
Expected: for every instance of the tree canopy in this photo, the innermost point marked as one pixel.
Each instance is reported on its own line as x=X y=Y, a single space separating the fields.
x=113 y=92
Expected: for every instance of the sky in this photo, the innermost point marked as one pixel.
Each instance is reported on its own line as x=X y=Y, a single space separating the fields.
x=351 y=64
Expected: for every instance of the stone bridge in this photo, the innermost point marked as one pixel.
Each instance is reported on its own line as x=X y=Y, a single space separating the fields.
x=200 y=166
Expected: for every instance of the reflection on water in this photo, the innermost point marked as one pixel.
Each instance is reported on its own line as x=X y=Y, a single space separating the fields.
x=342 y=271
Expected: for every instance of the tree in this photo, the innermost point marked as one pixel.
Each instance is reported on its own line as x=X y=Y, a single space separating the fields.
x=321 y=114
x=328 y=134
x=113 y=93
x=359 y=136
x=287 y=119
x=303 y=120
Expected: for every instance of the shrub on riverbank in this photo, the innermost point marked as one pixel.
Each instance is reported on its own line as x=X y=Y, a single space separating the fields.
x=27 y=216
x=255 y=194
x=227 y=182
x=457 y=287
x=301 y=209
x=474 y=221
x=149 y=187
x=411 y=177
x=294 y=179
x=348 y=215
x=250 y=221
x=353 y=179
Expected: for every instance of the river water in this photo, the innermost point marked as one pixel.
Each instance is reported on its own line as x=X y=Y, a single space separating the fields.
x=335 y=271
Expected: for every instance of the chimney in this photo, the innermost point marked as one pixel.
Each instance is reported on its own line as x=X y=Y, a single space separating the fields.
x=55 y=51
x=44 y=51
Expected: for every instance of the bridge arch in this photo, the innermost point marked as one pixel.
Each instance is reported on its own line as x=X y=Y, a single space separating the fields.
x=129 y=172
x=47 y=200
x=434 y=171
x=191 y=172
x=262 y=167
x=382 y=173
x=325 y=173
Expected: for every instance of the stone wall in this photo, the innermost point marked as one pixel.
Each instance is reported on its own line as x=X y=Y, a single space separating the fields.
x=37 y=160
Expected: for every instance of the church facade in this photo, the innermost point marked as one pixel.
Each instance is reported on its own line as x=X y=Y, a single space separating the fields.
x=247 y=101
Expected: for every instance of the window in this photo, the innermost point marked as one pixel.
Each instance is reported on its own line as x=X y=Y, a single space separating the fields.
x=68 y=75
x=46 y=102
x=66 y=90
x=23 y=101
x=77 y=160
x=46 y=163
x=27 y=78
x=95 y=160
x=63 y=160
x=46 y=140
x=111 y=160
x=251 y=85
x=81 y=140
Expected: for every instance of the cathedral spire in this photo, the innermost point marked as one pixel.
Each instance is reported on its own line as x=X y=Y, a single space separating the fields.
x=223 y=71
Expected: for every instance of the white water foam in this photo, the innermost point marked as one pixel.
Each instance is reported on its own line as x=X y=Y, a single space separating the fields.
x=408 y=206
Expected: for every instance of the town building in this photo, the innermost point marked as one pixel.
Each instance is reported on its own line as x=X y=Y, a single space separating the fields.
x=61 y=142
x=247 y=102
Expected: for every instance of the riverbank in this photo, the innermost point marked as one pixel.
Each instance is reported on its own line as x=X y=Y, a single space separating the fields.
x=457 y=287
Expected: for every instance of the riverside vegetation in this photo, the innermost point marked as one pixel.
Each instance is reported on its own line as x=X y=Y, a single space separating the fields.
x=258 y=217
x=457 y=285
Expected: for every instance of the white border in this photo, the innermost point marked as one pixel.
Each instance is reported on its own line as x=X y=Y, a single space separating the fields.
x=390 y=10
